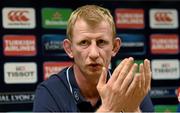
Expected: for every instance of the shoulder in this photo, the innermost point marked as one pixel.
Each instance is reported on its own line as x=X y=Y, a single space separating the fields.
x=55 y=81
x=52 y=94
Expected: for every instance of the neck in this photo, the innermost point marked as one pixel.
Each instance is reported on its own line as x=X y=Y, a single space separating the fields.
x=87 y=85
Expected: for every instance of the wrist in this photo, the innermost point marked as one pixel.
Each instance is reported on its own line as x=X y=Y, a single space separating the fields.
x=138 y=110
x=102 y=109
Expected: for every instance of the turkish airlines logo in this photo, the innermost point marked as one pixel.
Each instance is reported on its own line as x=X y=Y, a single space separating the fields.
x=164 y=44
x=19 y=45
x=18 y=18
x=51 y=68
x=163 y=18
x=130 y=18
x=178 y=93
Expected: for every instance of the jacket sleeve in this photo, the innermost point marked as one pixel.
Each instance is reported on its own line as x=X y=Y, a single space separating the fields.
x=44 y=101
x=147 y=105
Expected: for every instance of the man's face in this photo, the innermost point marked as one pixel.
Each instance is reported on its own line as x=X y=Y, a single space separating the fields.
x=92 y=47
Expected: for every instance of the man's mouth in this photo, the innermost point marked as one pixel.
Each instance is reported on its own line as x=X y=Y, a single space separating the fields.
x=95 y=65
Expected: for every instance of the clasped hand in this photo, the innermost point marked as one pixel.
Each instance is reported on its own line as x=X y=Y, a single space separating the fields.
x=126 y=88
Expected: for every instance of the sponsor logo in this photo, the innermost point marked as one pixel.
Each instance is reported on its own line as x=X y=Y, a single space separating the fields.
x=51 y=68
x=19 y=18
x=165 y=108
x=163 y=92
x=19 y=45
x=20 y=73
x=53 y=45
x=16 y=97
x=55 y=17
x=132 y=44
x=164 y=44
x=178 y=93
x=164 y=18
x=165 y=69
x=129 y=18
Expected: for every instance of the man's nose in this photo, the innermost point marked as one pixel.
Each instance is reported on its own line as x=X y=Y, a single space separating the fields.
x=93 y=52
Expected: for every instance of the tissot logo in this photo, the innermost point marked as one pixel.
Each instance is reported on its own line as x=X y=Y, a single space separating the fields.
x=164 y=18
x=164 y=44
x=16 y=97
x=132 y=44
x=129 y=18
x=21 y=72
x=19 y=18
x=54 y=67
x=19 y=45
x=53 y=44
x=165 y=69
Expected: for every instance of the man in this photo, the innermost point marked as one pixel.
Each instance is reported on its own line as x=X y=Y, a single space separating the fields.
x=88 y=85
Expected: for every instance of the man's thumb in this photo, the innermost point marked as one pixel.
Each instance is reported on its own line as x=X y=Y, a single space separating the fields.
x=103 y=78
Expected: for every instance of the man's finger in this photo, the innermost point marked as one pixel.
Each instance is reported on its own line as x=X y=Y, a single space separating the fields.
x=124 y=72
x=117 y=71
x=141 y=70
x=147 y=70
x=134 y=85
x=103 y=78
x=129 y=77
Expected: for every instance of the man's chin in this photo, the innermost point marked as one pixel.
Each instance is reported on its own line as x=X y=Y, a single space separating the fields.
x=95 y=72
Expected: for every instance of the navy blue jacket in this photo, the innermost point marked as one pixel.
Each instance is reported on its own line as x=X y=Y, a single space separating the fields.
x=60 y=93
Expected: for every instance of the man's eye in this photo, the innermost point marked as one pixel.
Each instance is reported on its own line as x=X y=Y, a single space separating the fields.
x=101 y=42
x=84 y=42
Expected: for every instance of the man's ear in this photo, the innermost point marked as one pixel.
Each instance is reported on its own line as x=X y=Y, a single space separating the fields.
x=67 y=47
x=117 y=45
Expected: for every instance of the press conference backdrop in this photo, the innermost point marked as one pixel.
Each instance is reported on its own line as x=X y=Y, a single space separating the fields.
x=31 y=45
